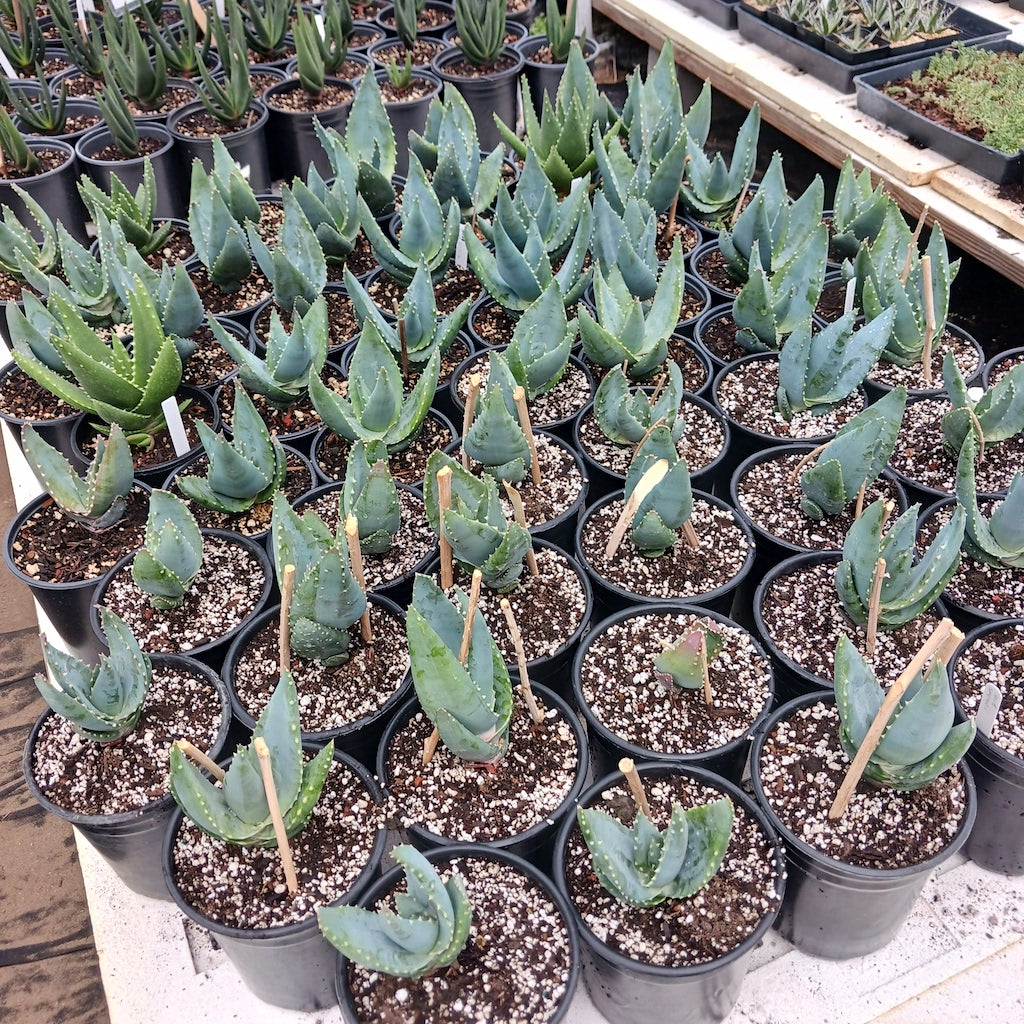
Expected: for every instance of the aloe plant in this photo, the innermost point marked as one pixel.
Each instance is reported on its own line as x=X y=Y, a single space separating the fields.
x=81 y=36
x=680 y=663
x=42 y=114
x=476 y=527
x=242 y=472
x=907 y=588
x=653 y=118
x=469 y=702
x=995 y=417
x=229 y=96
x=369 y=493
x=628 y=243
x=998 y=540
x=99 y=499
x=20 y=251
x=624 y=330
x=643 y=866
x=661 y=513
x=15 y=153
x=219 y=239
x=919 y=742
x=560 y=29
x=626 y=414
x=266 y=25
x=237 y=811
x=481 y=28
x=102 y=702
x=818 y=371
x=327 y=600
x=182 y=46
x=293 y=360
x=854 y=458
x=128 y=64
x=227 y=178
x=858 y=211
x=376 y=407
x=32 y=332
x=541 y=343
x=319 y=55
x=426 y=932
x=117 y=116
x=496 y=438
x=167 y=564
x=24 y=50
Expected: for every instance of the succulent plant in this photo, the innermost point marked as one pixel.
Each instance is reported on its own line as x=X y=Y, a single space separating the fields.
x=19 y=248
x=475 y=525
x=655 y=524
x=369 y=493
x=266 y=25
x=854 y=458
x=560 y=29
x=228 y=96
x=561 y=137
x=42 y=114
x=15 y=153
x=23 y=49
x=182 y=45
x=481 y=28
x=406 y=14
x=680 y=664
x=237 y=811
x=920 y=741
x=102 y=702
x=819 y=370
x=293 y=360
x=426 y=932
x=496 y=438
x=627 y=331
x=998 y=540
x=319 y=55
x=429 y=232
x=640 y=177
x=627 y=243
x=627 y=415
x=32 y=332
x=423 y=329
x=653 y=119
x=642 y=866
x=242 y=472
x=858 y=211
x=227 y=178
x=327 y=600
x=908 y=588
x=470 y=703
x=218 y=238
x=166 y=565
x=449 y=151
x=98 y=500
x=129 y=66
x=81 y=36
x=117 y=116
x=996 y=416
x=376 y=407
x=296 y=268
x=541 y=343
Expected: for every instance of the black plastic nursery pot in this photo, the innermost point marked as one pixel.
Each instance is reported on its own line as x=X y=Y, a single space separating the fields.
x=537 y=842
x=543 y=78
x=443 y=18
x=131 y=842
x=55 y=190
x=996 y=842
x=607 y=748
x=466 y=853
x=409 y=115
x=73 y=109
x=993 y=369
x=837 y=910
x=630 y=991
x=55 y=432
x=289 y=965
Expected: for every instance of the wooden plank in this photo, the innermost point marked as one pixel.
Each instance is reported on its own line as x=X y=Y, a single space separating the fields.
x=981 y=197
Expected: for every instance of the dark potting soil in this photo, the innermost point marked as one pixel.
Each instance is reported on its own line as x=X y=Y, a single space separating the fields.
x=462 y=68
x=514 y=968
x=210 y=364
x=920 y=455
x=622 y=688
x=997 y=658
x=718 y=336
x=700 y=444
x=48 y=160
x=54 y=547
x=244 y=886
x=710 y=266
x=802 y=767
x=681 y=572
x=912 y=377
x=803 y=616
x=342 y=323
x=78 y=123
x=678 y=932
x=456 y=286
x=689 y=237
x=475 y=803
x=427 y=19
x=1003 y=367
x=423 y=51
x=417 y=89
x=360 y=261
x=271 y=220
x=226 y=592
x=299 y=101
x=174 y=97
x=997 y=590
x=176 y=249
x=112 y=154
x=87 y=777
x=23 y=398
x=254 y=290
x=681 y=352
x=769 y=494
x=832 y=303
x=329 y=698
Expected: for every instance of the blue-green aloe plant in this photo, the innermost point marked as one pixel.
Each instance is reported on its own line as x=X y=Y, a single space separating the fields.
x=99 y=499
x=858 y=210
x=541 y=344
x=425 y=932
x=19 y=246
x=908 y=588
x=376 y=407
x=996 y=416
x=668 y=505
x=920 y=740
x=652 y=115
x=627 y=414
x=242 y=472
x=327 y=600
x=218 y=237
x=643 y=866
x=237 y=811
x=854 y=458
x=369 y=493
x=102 y=702
x=480 y=535
x=681 y=664
x=998 y=540
x=496 y=439
x=470 y=703
x=627 y=242
x=171 y=556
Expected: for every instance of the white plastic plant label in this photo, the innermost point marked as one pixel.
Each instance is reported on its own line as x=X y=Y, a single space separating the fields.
x=584 y=18
x=461 y=252
x=175 y=426
x=988 y=708
x=6 y=65
x=851 y=288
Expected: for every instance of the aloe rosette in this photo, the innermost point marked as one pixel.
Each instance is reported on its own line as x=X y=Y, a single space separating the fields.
x=998 y=540
x=167 y=564
x=369 y=493
x=626 y=414
x=996 y=416
x=661 y=513
x=496 y=438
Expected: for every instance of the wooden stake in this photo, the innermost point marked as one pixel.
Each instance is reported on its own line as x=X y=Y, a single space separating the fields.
x=978 y=430
x=709 y=696
x=929 y=318
x=355 y=556
x=739 y=203
x=430 y=745
x=813 y=454
x=874 y=601
x=670 y=233
x=199 y=14
x=284 y=639
x=912 y=246
x=636 y=787
x=519 y=514
x=470 y=411
x=524 y=678
x=444 y=502
x=266 y=770
x=467 y=628
x=404 y=348
x=195 y=755
x=651 y=478
x=690 y=535
x=859 y=507
x=519 y=397
x=934 y=643
x=19 y=18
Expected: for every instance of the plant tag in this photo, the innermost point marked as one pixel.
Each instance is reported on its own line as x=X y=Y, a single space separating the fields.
x=86 y=5
x=118 y=5
x=461 y=252
x=218 y=6
x=575 y=185
x=318 y=18
x=851 y=287
x=6 y=65
x=988 y=708
x=584 y=17
x=246 y=170
x=175 y=426
x=975 y=394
